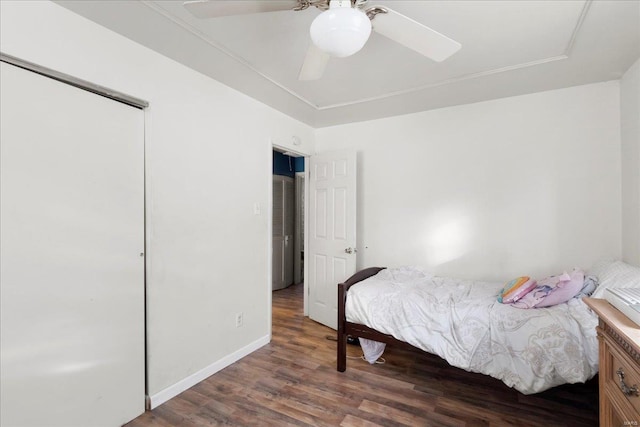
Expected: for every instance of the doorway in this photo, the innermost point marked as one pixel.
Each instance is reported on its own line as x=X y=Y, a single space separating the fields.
x=328 y=242
x=287 y=220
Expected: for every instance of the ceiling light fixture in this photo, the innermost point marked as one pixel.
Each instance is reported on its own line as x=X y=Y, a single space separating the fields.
x=342 y=30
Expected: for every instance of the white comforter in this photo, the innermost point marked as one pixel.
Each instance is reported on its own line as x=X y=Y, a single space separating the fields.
x=461 y=321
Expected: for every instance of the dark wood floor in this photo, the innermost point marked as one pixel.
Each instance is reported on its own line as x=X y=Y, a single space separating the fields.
x=293 y=381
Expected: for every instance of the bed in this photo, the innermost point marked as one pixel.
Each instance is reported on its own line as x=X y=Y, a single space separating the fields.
x=530 y=350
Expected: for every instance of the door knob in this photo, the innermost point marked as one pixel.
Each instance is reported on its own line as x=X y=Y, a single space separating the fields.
x=350 y=250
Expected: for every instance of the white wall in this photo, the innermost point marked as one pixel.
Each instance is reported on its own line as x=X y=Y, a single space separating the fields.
x=630 y=135
x=208 y=152
x=528 y=185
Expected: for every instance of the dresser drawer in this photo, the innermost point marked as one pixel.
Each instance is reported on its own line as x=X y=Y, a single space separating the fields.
x=619 y=351
x=623 y=378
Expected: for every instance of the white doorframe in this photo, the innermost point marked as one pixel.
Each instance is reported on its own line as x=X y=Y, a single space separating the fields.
x=269 y=209
x=298 y=235
x=306 y=237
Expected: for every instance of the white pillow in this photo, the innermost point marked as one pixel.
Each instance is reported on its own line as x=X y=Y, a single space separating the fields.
x=615 y=274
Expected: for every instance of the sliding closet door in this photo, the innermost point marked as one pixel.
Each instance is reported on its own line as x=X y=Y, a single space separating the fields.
x=289 y=219
x=278 y=243
x=71 y=262
x=283 y=231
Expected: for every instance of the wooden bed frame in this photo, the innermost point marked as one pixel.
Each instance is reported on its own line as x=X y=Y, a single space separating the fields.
x=354 y=329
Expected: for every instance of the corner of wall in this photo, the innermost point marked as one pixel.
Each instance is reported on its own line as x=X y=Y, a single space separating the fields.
x=630 y=161
x=172 y=391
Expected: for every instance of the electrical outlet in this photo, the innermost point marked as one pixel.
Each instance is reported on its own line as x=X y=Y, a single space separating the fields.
x=239 y=319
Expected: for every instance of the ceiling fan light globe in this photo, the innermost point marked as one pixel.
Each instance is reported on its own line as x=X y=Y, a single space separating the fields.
x=341 y=32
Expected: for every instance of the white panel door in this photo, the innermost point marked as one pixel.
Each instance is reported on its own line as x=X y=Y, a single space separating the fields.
x=71 y=264
x=332 y=230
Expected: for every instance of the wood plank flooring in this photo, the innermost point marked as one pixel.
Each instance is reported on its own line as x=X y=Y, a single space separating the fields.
x=293 y=382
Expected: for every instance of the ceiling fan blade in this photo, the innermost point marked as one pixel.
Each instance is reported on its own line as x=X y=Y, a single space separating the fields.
x=216 y=8
x=314 y=63
x=414 y=35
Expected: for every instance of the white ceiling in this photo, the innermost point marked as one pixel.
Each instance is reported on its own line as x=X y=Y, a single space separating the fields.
x=509 y=47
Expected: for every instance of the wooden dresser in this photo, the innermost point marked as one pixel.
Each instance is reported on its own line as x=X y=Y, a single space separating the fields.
x=619 y=378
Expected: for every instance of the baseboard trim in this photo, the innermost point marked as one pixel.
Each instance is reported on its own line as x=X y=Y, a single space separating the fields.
x=174 y=390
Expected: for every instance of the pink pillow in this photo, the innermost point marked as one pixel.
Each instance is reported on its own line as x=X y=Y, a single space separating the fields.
x=553 y=290
x=564 y=290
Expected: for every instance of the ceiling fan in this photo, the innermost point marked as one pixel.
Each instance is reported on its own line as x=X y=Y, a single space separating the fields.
x=341 y=30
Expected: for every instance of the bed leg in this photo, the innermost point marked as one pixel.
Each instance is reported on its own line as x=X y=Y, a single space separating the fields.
x=342 y=352
x=342 y=314
x=342 y=337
